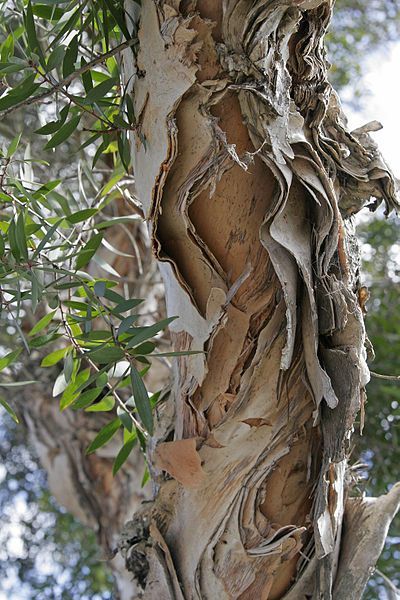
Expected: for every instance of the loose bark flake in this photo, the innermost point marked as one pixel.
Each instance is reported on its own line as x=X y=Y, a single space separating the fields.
x=249 y=178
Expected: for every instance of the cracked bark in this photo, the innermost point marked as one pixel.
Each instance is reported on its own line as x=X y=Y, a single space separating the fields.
x=250 y=179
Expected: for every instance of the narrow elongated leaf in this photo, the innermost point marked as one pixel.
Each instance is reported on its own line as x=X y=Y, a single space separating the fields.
x=71 y=55
x=54 y=126
x=86 y=398
x=53 y=358
x=110 y=354
x=44 y=321
x=56 y=57
x=144 y=333
x=99 y=91
x=21 y=236
x=9 y=409
x=33 y=43
x=12 y=148
x=49 y=234
x=9 y=358
x=71 y=392
x=88 y=251
x=142 y=401
x=123 y=454
x=81 y=215
x=104 y=435
x=126 y=323
x=127 y=305
x=12 y=384
x=12 y=240
x=105 y=405
x=63 y=133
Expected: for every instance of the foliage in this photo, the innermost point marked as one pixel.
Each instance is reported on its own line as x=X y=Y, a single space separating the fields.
x=359 y=30
x=379 y=447
x=48 y=235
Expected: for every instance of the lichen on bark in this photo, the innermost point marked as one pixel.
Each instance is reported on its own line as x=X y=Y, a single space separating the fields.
x=249 y=178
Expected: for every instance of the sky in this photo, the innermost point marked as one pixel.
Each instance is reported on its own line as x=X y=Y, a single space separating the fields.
x=382 y=103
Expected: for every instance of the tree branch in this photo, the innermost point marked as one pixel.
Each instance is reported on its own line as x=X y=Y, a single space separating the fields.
x=387 y=377
x=65 y=82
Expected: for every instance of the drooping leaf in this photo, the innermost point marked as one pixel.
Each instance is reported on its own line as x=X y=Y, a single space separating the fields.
x=44 y=321
x=9 y=358
x=63 y=133
x=8 y=408
x=142 y=401
x=54 y=357
x=104 y=435
x=123 y=454
x=88 y=251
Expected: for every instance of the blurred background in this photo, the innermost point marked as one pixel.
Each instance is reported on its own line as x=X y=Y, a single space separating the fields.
x=45 y=552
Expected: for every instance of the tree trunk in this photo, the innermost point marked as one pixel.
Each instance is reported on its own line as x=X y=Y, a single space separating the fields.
x=250 y=180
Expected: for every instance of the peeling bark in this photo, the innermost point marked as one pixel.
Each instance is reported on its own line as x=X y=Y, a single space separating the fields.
x=249 y=178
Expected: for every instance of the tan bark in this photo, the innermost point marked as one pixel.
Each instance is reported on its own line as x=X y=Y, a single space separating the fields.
x=249 y=179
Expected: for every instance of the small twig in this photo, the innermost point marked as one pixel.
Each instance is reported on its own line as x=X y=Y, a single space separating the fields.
x=65 y=82
x=387 y=377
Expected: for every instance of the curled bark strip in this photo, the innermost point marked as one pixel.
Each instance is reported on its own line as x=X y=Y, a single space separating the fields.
x=366 y=523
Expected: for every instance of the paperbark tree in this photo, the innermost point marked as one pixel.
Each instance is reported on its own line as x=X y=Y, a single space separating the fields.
x=250 y=181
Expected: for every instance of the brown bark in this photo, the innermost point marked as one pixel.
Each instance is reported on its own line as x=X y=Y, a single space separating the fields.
x=249 y=179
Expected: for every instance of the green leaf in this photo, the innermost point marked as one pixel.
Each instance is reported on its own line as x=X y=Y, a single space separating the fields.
x=144 y=333
x=104 y=435
x=105 y=405
x=126 y=323
x=12 y=148
x=71 y=55
x=127 y=305
x=9 y=358
x=99 y=91
x=44 y=321
x=71 y=392
x=145 y=478
x=123 y=454
x=86 y=78
x=33 y=43
x=124 y=149
x=99 y=288
x=25 y=89
x=108 y=355
x=12 y=240
x=63 y=133
x=86 y=398
x=54 y=126
x=81 y=215
x=145 y=348
x=88 y=251
x=56 y=57
x=142 y=401
x=9 y=409
x=50 y=13
x=13 y=384
x=47 y=237
x=68 y=367
x=119 y=16
x=21 y=236
x=116 y=221
x=53 y=358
